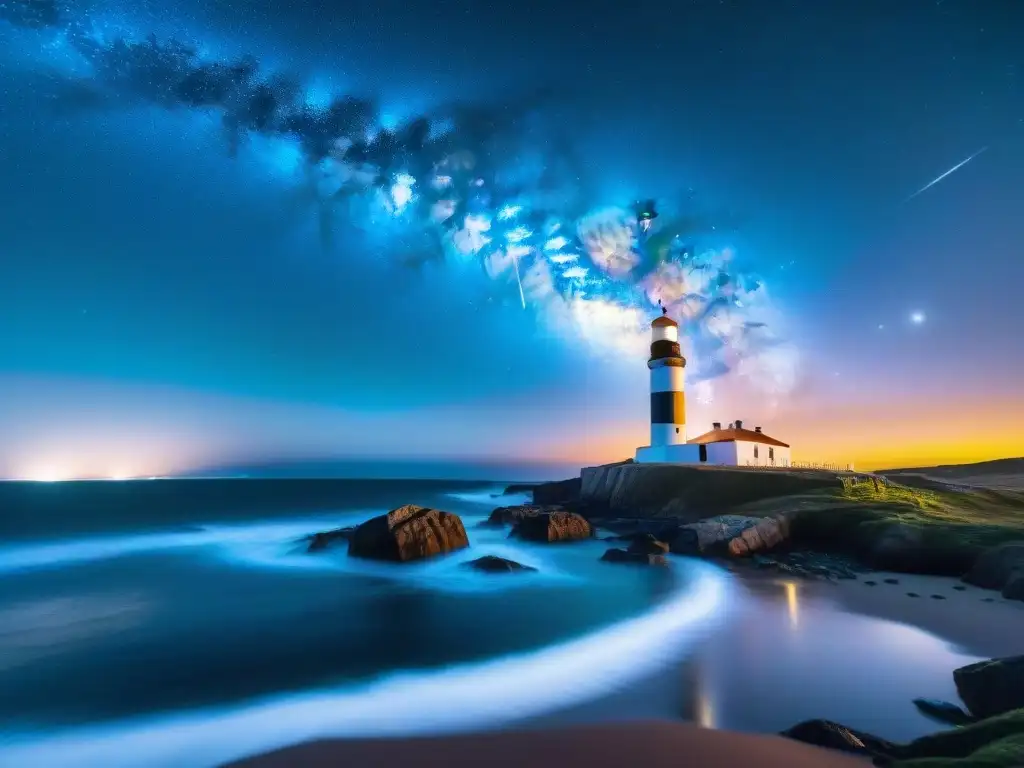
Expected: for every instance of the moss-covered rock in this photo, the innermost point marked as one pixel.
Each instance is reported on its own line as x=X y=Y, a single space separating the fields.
x=997 y=742
x=991 y=687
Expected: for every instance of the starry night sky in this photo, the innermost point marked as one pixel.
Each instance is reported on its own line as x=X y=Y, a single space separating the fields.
x=165 y=307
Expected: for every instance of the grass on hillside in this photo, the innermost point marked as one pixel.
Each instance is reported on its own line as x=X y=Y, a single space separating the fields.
x=952 y=526
x=975 y=514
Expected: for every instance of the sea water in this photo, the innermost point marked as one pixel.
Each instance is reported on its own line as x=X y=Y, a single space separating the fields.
x=168 y=636
x=187 y=626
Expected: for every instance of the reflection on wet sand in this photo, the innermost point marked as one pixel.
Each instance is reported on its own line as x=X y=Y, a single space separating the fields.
x=792 y=651
x=792 y=602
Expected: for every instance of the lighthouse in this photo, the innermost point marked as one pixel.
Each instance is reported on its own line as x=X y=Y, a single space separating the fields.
x=668 y=396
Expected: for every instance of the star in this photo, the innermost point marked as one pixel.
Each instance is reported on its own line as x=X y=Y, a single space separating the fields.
x=917 y=318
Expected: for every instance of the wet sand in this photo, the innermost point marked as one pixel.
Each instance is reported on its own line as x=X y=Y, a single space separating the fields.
x=977 y=621
x=650 y=744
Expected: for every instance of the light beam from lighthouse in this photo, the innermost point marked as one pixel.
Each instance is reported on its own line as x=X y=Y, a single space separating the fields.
x=668 y=391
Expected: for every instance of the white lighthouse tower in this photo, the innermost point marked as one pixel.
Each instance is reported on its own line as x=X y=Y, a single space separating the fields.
x=668 y=397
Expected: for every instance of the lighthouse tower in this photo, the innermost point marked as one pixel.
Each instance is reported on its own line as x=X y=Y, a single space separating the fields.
x=668 y=397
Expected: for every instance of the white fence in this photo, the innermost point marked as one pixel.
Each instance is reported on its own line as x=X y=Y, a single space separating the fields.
x=824 y=465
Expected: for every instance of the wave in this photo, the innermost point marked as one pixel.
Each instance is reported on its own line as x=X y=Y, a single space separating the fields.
x=463 y=698
x=494 y=497
x=63 y=553
x=278 y=546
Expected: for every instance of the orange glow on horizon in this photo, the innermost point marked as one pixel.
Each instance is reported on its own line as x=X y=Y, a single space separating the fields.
x=870 y=437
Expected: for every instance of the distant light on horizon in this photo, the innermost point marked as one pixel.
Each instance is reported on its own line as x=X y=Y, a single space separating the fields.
x=47 y=475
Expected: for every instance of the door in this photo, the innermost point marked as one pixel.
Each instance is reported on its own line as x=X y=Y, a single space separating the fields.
x=703 y=453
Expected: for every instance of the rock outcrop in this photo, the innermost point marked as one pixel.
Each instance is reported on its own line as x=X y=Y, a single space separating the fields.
x=711 y=535
x=408 y=533
x=943 y=711
x=559 y=492
x=688 y=493
x=553 y=526
x=1000 y=567
x=628 y=557
x=493 y=564
x=763 y=536
x=318 y=542
x=830 y=735
x=991 y=687
x=992 y=735
x=647 y=544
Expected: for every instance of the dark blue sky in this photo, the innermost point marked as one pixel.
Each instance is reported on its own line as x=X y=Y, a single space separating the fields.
x=155 y=290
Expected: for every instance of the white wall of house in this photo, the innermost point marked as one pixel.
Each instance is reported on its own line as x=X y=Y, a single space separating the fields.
x=760 y=455
x=722 y=454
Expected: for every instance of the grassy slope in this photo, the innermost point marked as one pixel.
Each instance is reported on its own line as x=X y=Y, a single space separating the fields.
x=952 y=526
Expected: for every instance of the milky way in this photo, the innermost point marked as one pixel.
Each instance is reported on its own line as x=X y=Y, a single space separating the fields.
x=495 y=184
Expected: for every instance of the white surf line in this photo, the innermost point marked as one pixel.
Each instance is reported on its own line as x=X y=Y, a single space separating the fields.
x=464 y=698
x=32 y=555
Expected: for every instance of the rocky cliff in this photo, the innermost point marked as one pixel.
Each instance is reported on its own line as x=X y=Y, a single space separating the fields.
x=687 y=492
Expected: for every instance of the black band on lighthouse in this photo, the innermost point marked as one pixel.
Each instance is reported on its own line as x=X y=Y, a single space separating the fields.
x=665 y=348
x=668 y=408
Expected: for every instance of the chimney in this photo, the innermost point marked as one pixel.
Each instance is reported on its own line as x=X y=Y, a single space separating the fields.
x=716 y=425
x=739 y=424
x=758 y=430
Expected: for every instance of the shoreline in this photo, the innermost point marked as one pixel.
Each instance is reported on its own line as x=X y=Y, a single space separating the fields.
x=935 y=604
x=686 y=688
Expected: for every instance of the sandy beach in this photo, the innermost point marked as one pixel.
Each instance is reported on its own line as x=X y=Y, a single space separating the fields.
x=650 y=744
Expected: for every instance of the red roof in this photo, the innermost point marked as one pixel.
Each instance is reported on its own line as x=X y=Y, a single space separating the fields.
x=732 y=435
x=663 y=321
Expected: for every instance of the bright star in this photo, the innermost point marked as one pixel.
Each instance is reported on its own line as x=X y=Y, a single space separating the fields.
x=917 y=318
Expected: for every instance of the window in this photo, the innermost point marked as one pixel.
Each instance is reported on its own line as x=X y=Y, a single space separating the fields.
x=677 y=430
x=703 y=452
x=771 y=454
x=755 y=451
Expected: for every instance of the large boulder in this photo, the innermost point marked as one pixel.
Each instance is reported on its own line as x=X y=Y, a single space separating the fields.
x=325 y=539
x=767 y=534
x=553 y=526
x=991 y=687
x=493 y=564
x=408 y=533
x=997 y=567
x=512 y=515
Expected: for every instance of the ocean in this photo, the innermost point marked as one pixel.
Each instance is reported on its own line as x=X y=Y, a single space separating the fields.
x=182 y=622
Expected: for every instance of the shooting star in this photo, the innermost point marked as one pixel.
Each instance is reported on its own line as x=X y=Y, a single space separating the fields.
x=935 y=181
